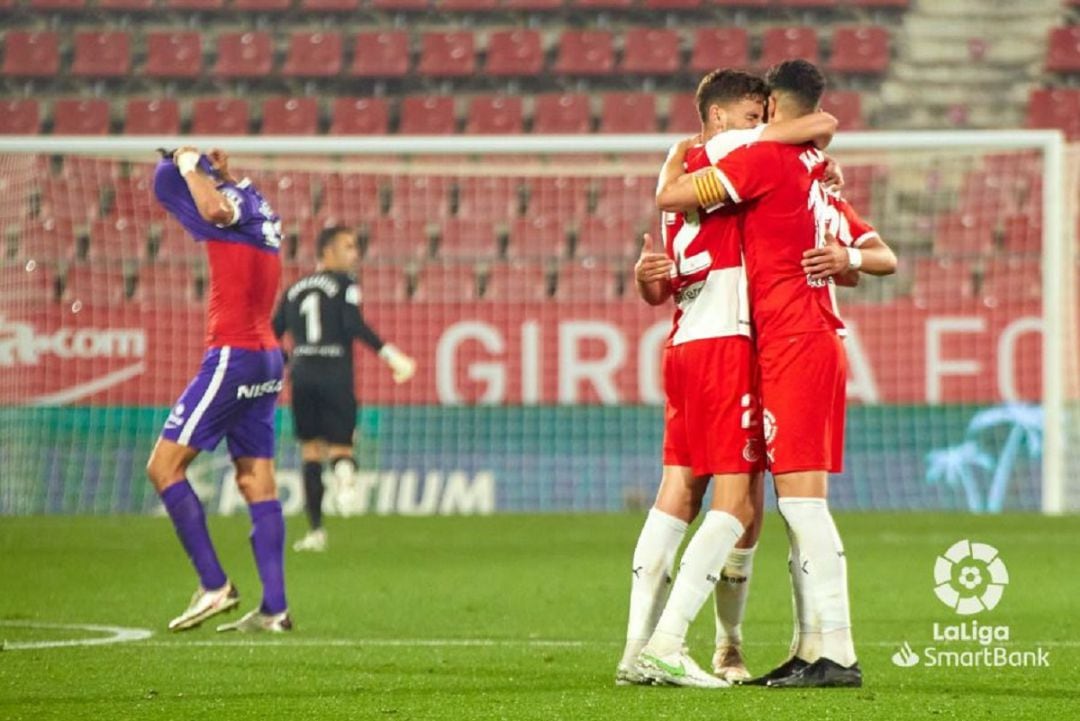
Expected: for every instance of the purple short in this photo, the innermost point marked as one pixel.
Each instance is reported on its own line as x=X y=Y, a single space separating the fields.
x=233 y=395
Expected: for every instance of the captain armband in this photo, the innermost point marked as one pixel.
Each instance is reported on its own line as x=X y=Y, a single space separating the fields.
x=707 y=188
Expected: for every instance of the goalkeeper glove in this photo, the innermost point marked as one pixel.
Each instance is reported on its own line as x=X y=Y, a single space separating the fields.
x=402 y=366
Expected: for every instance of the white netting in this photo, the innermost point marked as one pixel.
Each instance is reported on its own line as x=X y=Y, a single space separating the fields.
x=508 y=278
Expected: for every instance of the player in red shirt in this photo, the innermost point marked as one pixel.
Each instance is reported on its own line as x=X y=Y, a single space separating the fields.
x=785 y=224
x=709 y=381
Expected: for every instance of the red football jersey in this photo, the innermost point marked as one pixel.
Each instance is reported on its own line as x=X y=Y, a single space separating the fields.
x=845 y=224
x=243 y=283
x=785 y=213
x=709 y=280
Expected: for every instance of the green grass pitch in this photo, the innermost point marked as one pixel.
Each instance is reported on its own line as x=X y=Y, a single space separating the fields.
x=507 y=617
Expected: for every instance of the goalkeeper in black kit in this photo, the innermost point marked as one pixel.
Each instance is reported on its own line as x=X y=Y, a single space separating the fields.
x=321 y=312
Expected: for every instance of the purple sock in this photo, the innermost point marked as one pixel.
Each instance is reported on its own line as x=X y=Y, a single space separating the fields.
x=188 y=519
x=268 y=544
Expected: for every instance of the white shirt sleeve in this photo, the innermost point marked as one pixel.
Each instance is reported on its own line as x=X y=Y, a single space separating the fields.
x=723 y=143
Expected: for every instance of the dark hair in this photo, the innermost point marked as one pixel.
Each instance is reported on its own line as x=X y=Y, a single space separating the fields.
x=800 y=79
x=723 y=87
x=326 y=237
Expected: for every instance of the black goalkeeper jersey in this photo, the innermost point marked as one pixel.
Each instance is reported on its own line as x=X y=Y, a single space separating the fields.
x=322 y=313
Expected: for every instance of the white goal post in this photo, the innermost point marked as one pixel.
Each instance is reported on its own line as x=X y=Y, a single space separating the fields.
x=1060 y=181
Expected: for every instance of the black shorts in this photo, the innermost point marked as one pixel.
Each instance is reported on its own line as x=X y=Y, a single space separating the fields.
x=324 y=409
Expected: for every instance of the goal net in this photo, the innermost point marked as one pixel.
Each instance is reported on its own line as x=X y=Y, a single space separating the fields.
x=504 y=266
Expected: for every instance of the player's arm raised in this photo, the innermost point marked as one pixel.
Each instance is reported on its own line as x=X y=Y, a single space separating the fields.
x=652 y=274
x=817 y=128
x=213 y=206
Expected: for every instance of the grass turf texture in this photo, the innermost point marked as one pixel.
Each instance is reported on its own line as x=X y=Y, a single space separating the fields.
x=373 y=615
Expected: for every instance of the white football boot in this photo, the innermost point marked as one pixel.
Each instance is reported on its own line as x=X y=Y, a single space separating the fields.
x=258 y=622
x=312 y=541
x=677 y=669
x=206 y=604
x=729 y=665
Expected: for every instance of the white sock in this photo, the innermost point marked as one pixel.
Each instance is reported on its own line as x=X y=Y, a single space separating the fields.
x=700 y=571
x=731 y=594
x=653 y=565
x=825 y=578
x=806 y=637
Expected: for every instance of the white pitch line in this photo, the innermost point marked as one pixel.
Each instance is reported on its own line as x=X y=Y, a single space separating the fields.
x=118 y=634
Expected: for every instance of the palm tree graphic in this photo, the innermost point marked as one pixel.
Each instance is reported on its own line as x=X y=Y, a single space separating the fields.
x=960 y=465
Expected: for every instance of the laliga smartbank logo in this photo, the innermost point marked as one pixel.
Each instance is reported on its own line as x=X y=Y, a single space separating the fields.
x=970 y=578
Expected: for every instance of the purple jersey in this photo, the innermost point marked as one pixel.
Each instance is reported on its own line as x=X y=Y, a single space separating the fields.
x=254 y=222
x=245 y=266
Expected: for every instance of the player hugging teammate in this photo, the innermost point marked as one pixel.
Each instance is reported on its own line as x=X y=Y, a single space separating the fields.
x=755 y=378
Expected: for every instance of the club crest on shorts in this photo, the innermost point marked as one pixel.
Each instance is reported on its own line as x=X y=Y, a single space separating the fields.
x=769 y=426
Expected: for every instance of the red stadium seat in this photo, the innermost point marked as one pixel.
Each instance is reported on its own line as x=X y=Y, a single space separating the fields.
x=359 y=116
x=57 y=4
x=963 y=233
x=447 y=54
x=95 y=285
x=382 y=283
x=846 y=105
x=651 y=52
x=1064 y=53
x=69 y=201
x=607 y=237
x=173 y=55
x=48 y=239
x=630 y=197
x=446 y=283
x=1012 y=280
x=101 y=55
x=130 y=5
x=585 y=52
x=585 y=282
x=220 y=116
x=195 y=4
x=823 y=4
x=745 y=3
x=601 y=4
x=514 y=52
x=244 y=55
x=537 y=236
x=788 y=43
x=290 y=116
x=428 y=115
x=31 y=54
x=494 y=198
x=1057 y=108
x=495 y=115
x=133 y=199
x=562 y=198
x=468 y=238
x=400 y=4
x=313 y=55
x=165 y=285
x=516 y=282
x=467 y=5
x=533 y=5
x=628 y=113
x=561 y=113
x=20 y=117
x=420 y=197
x=381 y=55
x=81 y=117
x=397 y=237
x=330 y=5
x=152 y=117
x=683 y=115
x=940 y=280
x=720 y=48
x=860 y=50
x=899 y=4
x=291 y=195
x=261 y=5
x=119 y=238
x=350 y=198
x=673 y=4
